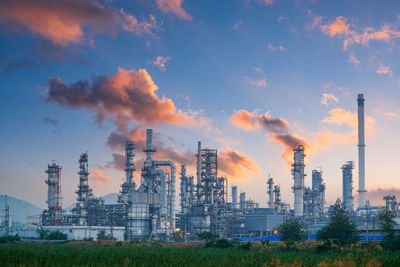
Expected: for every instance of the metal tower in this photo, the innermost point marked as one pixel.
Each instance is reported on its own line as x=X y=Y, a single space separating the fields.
x=54 y=207
x=83 y=192
x=347 y=174
x=129 y=184
x=298 y=176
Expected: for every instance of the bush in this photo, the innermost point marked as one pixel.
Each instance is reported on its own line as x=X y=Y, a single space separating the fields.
x=328 y=245
x=9 y=238
x=220 y=243
x=207 y=236
x=246 y=246
x=57 y=235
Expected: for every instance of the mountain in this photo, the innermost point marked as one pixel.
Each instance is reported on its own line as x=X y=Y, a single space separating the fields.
x=110 y=198
x=19 y=209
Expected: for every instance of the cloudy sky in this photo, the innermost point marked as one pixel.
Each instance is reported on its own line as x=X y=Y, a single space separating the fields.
x=251 y=78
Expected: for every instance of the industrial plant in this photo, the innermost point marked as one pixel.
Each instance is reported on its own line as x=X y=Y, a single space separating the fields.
x=170 y=201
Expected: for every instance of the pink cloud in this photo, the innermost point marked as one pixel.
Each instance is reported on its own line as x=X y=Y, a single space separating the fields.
x=174 y=7
x=62 y=22
x=160 y=62
x=276 y=48
x=384 y=70
x=127 y=95
x=326 y=98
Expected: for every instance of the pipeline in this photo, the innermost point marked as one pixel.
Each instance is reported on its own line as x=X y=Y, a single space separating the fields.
x=163 y=189
x=172 y=196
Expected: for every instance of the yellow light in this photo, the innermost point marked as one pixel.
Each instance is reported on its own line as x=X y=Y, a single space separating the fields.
x=177 y=229
x=275 y=232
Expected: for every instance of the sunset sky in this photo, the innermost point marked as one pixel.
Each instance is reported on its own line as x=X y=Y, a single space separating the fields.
x=251 y=78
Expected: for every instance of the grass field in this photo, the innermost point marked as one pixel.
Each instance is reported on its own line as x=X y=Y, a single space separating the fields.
x=158 y=254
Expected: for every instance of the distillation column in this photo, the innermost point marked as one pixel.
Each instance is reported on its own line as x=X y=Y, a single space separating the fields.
x=270 y=191
x=83 y=192
x=234 y=197
x=347 y=172
x=361 y=151
x=129 y=184
x=54 y=194
x=298 y=176
x=318 y=193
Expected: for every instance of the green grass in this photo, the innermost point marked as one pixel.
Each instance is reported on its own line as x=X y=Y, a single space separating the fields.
x=137 y=255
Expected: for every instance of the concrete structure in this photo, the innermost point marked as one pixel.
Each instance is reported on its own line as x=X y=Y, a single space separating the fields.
x=361 y=151
x=88 y=232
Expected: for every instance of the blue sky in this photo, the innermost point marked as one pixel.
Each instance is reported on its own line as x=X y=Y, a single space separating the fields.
x=297 y=65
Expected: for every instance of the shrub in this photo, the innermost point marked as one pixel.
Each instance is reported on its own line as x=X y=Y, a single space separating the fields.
x=207 y=236
x=57 y=235
x=246 y=246
x=9 y=238
x=220 y=243
x=328 y=245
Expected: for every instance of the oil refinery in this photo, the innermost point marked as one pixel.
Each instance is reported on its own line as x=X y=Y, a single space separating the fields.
x=169 y=200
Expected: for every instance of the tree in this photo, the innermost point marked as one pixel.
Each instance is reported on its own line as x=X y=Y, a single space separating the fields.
x=206 y=236
x=340 y=227
x=101 y=235
x=290 y=230
x=57 y=235
x=387 y=224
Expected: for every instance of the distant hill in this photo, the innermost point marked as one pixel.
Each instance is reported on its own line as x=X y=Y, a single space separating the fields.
x=110 y=198
x=19 y=209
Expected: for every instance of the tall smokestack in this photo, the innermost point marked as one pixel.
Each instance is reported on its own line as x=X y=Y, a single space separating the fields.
x=361 y=151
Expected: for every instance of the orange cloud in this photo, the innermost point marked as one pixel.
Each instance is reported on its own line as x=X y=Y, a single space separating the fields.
x=340 y=116
x=235 y=165
x=160 y=62
x=278 y=129
x=384 y=70
x=98 y=179
x=341 y=28
x=328 y=98
x=327 y=139
x=129 y=94
x=62 y=21
x=259 y=83
x=251 y=120
x=289 y=141
x=338 y=27
x=174 y=7
x=353 y=59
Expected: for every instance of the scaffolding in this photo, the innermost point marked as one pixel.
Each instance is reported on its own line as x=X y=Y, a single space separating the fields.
x=53 y=215
x=347 y=192
x=298 y=177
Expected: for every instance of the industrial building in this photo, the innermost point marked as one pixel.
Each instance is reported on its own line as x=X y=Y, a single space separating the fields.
x=152 y=210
